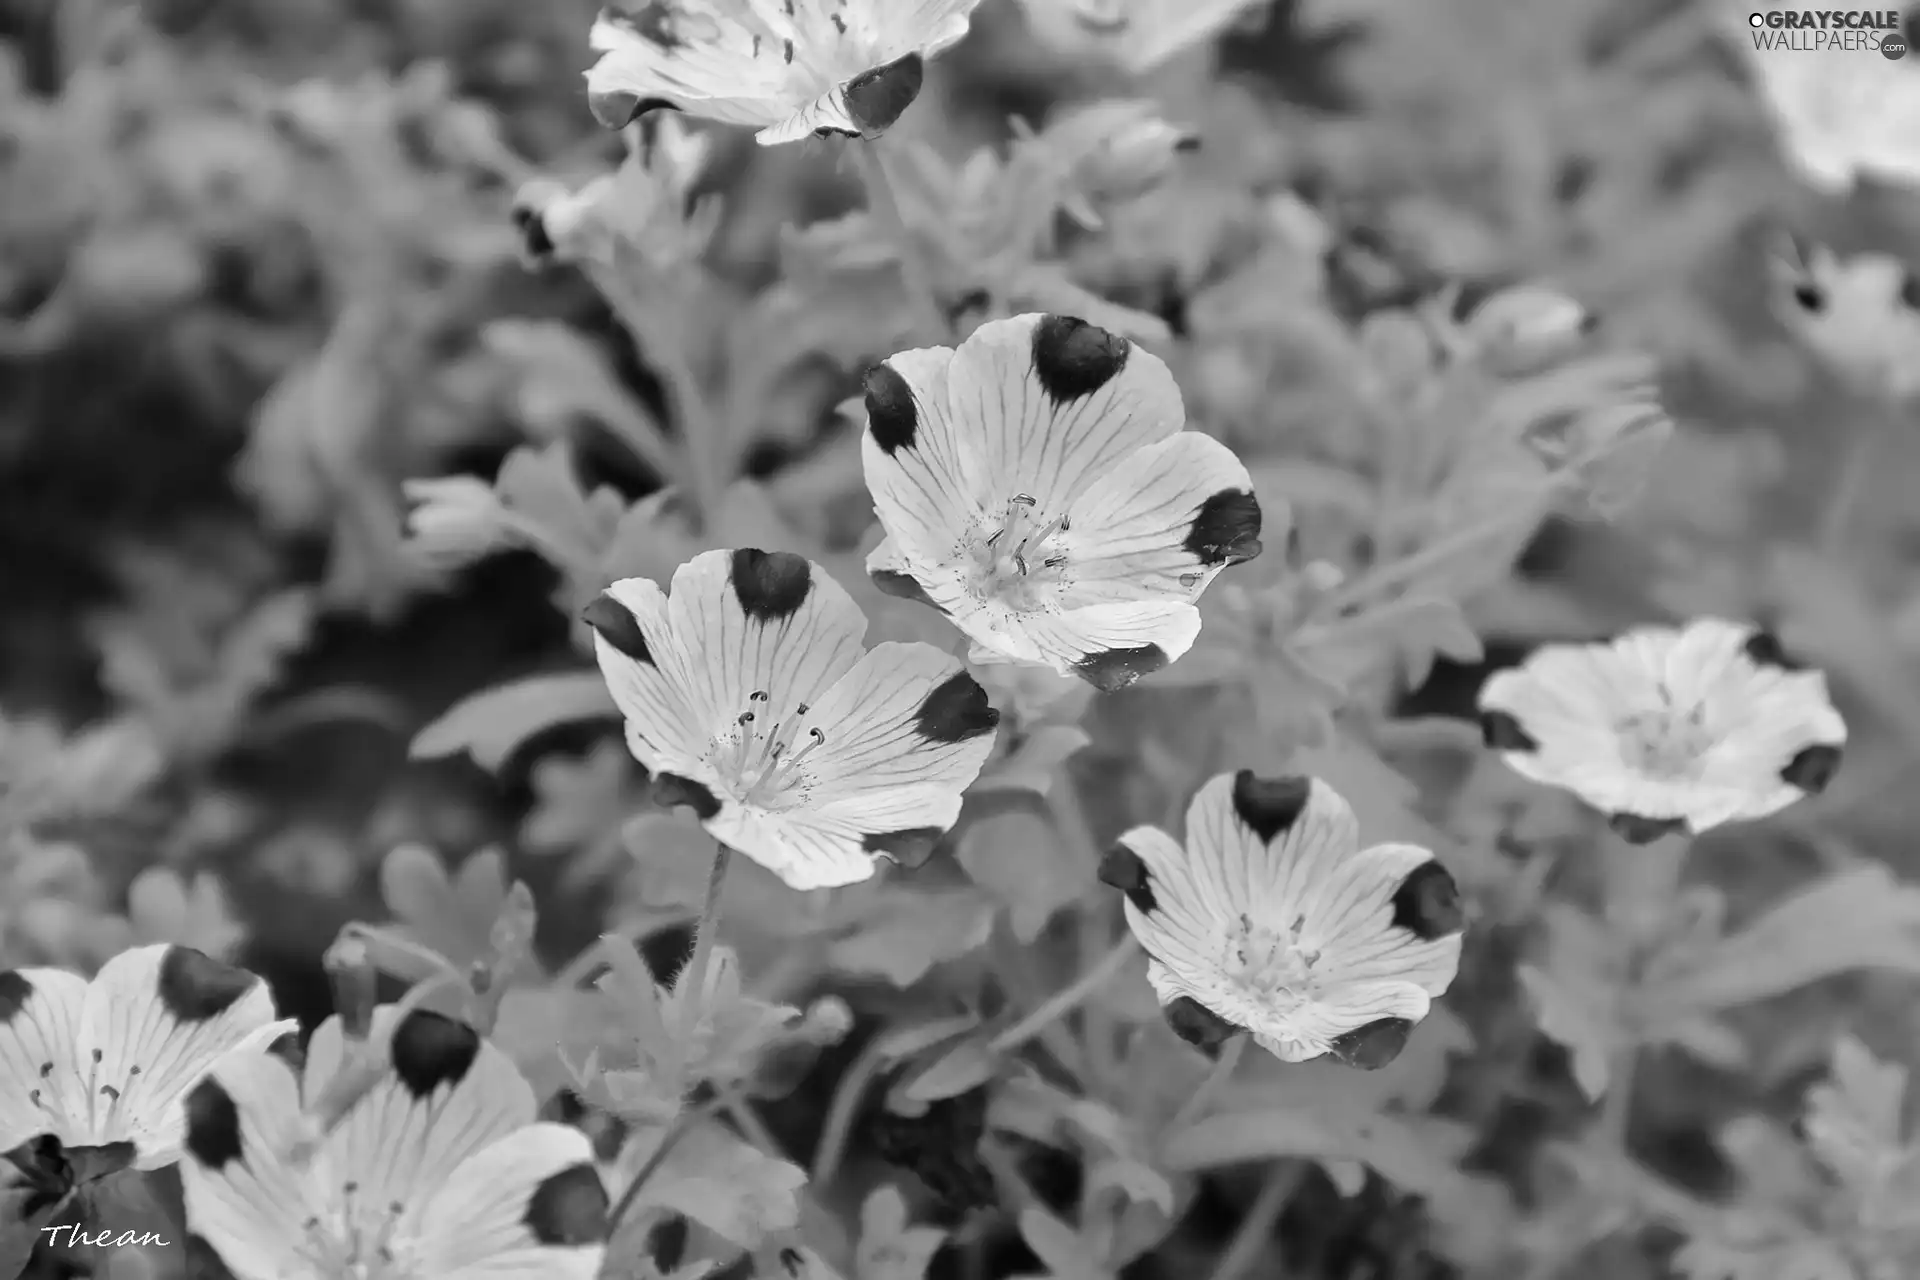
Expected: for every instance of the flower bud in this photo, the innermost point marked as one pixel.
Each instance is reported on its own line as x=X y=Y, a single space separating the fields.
x=455 y=519
x=1118 y=150
x=350 y=971
x=1524 y=329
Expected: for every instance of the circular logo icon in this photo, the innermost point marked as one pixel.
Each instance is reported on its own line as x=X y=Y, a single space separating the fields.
x=1756 y=19
x=1893 y=47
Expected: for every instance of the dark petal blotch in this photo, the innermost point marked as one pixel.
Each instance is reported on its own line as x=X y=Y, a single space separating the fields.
x=1270 y=806
x=1763 y=649
x=667 y=1243
x=616 y=110
x=1812 y=768
x=569 y=1209
x=770 y=585
x=1636 y=829
x=1198 y=1025
x=910 y=847
x=1114 y=669
x=670 y=789
x=1427 y=903
x=877 y=98
x=15 y=990
x=431 y=1049
x=901 y=586
x=288 y=1049
x=1127 y=871
x=213 y=1125
x=1073 y=359
x=1226 y=530
x=615 y=623
x=893 y=418
x=956 y=711
x=194 y=987
x=1373 y=1046
x=44 y=1172
x=1502 y=731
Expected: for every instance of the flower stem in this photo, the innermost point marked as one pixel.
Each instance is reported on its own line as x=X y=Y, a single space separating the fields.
x=884 y=207
x=1256 y=1228
x=1855 y=467
x=1195 y=1107
x=693 y=978
x=1064 y=1001
x=1642 y=882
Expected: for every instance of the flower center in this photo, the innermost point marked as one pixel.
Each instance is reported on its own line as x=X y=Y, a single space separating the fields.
x=1272 y=966
x=99 y=1111
x=359 y=1245
x=1020 y=562
x=760 y=759
x=1665 y=744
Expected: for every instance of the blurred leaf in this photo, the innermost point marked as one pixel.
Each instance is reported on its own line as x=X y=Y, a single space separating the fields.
x=1575 y=996
x=717 y=1180
x=889 y=1248
x=1035 y=762
x=163 y=907
x=1066 y=1255
x=1018 y=857
x=908 y=932
x=491 y=724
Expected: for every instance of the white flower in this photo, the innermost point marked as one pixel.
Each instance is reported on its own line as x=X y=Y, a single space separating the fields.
x=749 y=694
x=1668 y=729
x=787 y=68
x=438 y=1173
x=1272 y=919
x=1134 y=35
x=1859 y=317
x=642 y=206
x=1036 y=487
x=1841 y=113
x=102 y=1065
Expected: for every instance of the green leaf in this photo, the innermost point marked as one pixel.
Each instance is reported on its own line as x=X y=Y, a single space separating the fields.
x=1034 y=763
x=717 y=1180
x=489 y=725
x=1575 y=994
x=889 y=1248
x=959 y=1068
x=1018 y=857
x=909 y=932
x=540 y=486
x=1066 y=1254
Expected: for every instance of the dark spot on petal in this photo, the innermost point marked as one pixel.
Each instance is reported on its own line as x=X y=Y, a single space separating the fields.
x=1811 y=297
x=1427 y=903
x=1764 y=650
x=1269 y=806
x=877 y=98
x=1812 y=768
x=770 y=585
x=793 y=1260
x=569 y=1209
x=667 y=1242
x=44 y=1172
x=615 y=623
x=213 y=1125
x=194 y=987
x=15 y=990
x=431 y=1050
x=910 y=847
x=1635 y=829
x=534 y=240
x=901 y=585
x=829 y=131
x=956 y=711
x=1227 y=529
x=670 y=789
x=1073 y=359
x=741 y=1268
x=615 y=109
x=288 y=1049
x=1373 y=1046
x=1198 y=1025
x=1127 y=871
x=1114 y=669
x=1910 y=290
x=1188 y=142
x=892 y=417
x=1502 y=731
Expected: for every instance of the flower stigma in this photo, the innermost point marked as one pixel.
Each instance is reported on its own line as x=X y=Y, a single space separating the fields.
x=759 y=763
x=359 y=1246
x=1271 y=967
x=1668 y=743
x=1019 y=563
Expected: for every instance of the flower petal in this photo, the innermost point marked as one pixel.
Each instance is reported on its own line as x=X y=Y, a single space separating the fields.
x=906 y=714
x=651 y=676
x=528 y=1207
x=155 y=1019
x=1163 y=522
x=1108 y=645
x=39 y=1023
x=925 y=464
x=449 y=1094
x=690 y=58
x=804 y=850
x=243 y=1195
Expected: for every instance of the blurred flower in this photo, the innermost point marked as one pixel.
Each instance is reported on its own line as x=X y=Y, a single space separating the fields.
x=455 y=519
x=1272 y=919
x=1134 y=35
x=102 y=1065
x=851 y=67
x=1841 y=113
x=1668 y=729
x=641 y=206
x=975 y=456
x=1521 y=330
x=1112 y=152
x=439 y=1170
x=750 y=697
x=1859 y=317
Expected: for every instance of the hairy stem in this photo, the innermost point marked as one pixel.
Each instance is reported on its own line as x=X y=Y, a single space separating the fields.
x=1642 y=882
x=1068 y=998
x=1195 y=1107
x=693 y=977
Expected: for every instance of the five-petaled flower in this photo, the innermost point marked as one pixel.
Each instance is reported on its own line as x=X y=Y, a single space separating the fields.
x=748 y=694
x=1668 y=729
x=1274 y=920
x=1841 y=114
x=1036 y=486
x=789 y=68
x=99 y=1067
x=439 y=1172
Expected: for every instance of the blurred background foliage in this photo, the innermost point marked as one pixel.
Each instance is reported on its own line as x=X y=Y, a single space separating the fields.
x=260 y=269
